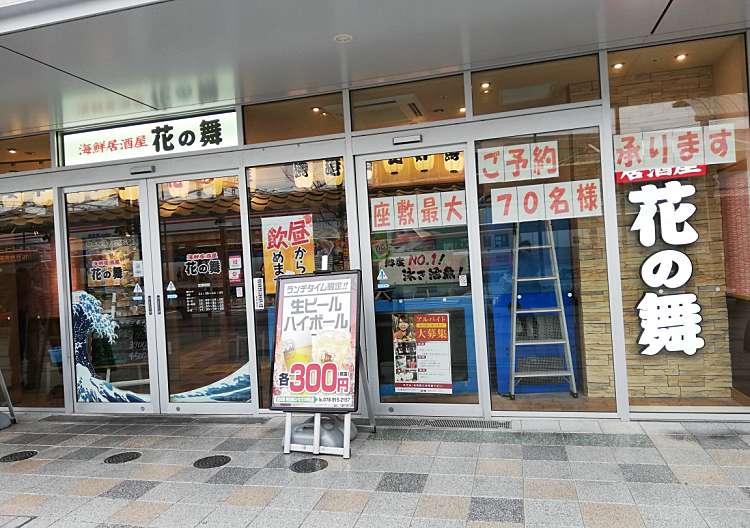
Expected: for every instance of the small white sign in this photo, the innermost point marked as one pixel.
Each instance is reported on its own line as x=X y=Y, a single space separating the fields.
x=259 y=294
x=381 y=214
x=235 y=262
x=239 y=292
x=517 y=163
x=490 y=166
x=587 y=198
x=504 y=205
x=171 y=287
x=454 y=207
x=381 y=275
x=137 y=289
x=430 y=209
x=137 y=268
x=544 y=163
x=687 y=146
x=558 y=200
x=406 y=211
x=531 y=203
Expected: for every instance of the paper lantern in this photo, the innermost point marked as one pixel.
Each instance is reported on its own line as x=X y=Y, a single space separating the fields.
x=393 y=166
x=334 y=172
x=76 y=197
x=424 y=163
x=212 y=187
x=303 y=177
x=12 y=200
x=368 y=170
x=39 y=198
x=129 y=194
x=454 y=161
x=179 y=189
x=100 y=195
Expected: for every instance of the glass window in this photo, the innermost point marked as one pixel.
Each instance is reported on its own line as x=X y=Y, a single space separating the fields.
x=30 y=353
x=295 y=118
x=420 y=268
x=681 y=129
x=26 y=153
x=534 y=85
x=297 y=226
x=545 y=272
x=408 y=103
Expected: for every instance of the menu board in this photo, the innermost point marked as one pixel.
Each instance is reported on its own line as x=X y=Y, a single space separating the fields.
x=422 y=353
x=316 y=342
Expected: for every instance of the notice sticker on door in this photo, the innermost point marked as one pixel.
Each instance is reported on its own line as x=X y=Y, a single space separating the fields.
x=171 y=287
x=239 y=292
x=235 y=262
x=259 y=294
x=137 y=268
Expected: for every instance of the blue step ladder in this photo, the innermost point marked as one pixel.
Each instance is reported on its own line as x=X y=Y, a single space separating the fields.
x=566 y=372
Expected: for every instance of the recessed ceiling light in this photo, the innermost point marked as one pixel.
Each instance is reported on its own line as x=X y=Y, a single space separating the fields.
x=12 y=151
x=485 y=85
x=316 y=109
x=618 y=66
x=681 y=57
x=462 y=110
x=485 y=91
x=342 y=38
x=324 y=113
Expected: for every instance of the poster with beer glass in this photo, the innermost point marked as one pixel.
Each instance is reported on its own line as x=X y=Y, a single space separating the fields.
x=316 y=340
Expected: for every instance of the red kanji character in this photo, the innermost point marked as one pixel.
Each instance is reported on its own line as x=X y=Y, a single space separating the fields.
x=140 y=141
x=544 y=157
x=629 y=153
x=99 y=146
x=85 y=148
x=516 y=159
x=429 y=210
x=587 y=196
x=405 y=212
x=687 y=144
x=112 y=145
x=452 y=208
x=494 y=155
x=659 y=152
x=559 y=204
x=127 y=143
x=381 y=215
x=717 y=143
x=298 y=233
x=277 y=237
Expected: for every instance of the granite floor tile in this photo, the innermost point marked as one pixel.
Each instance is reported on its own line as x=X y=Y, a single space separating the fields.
x=182 y=515
x=496 y=510
x=232 y=475
x=235 y=444
x=707 y=428
x=545 y=438
x=463 y=435
x=449 y=485
x=417 y=448
x=327 y=519
x=609 y=515
x=722 y=518
x=701 y=475
x=693 y=456
x=739 y=476
x=443 y=507
x=271 y=477
x=402 y=482
x=343 y=501
x=391 y=504
x=497 y=487
x=154 y=471
x=730 y=457
x=499 y=468
x=505 y=451
x=646 y=473
x=453 y=465
x=270 y=518
x=422 y=435
x=458 y=449
x=86 y=453
x=549 y=489
x=252 y=496
x=659 y=494
x=229 y=517
x=553 y=513
x=546 y=469
x=727 y=497
x=130 y=489
x=357 y=480
x=663 y=428
x=721 y=442
x=607 y=492
x=296 y=499
x=208 y=494
x=168 y=492
x=423 y=522
x=91 y=487
x=381 y=521
x=96 y=510
x=532 y=452
x=596 y=471
x=138 y=513
x=674 y=440
x=671 y=517
x=580 y=426
x=638 y=455
x=590 y=454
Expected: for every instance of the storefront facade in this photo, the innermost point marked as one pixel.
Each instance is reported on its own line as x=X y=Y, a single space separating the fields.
x=562 y=238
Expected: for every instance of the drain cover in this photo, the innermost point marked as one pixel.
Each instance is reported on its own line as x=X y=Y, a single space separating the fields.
x=309 y=465
x=211 y=462
x=20 y=455
x=121 y=458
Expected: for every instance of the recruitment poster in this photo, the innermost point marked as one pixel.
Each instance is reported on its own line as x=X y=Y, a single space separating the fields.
x=288 y=247
x=315 y=350
x=422 y=353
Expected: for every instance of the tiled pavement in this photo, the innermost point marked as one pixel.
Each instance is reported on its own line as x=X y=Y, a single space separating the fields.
x=541 y=473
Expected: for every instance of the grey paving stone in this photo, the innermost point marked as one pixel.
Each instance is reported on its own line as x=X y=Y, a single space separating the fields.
x=453 y=465
x=96 y=510
x=236 y=444
x=663 y=428
x=738 y=475
x=167 y=492
x=86 y=453
x=707 y=428
x=232 y=475
x=598 y=491
x=488 y=509
x=436 y=523
x=533 y=452
x=425 y=435
x=296 y=498
x=381 y=521
x=674 y=440
x=497 y=487
x=208 y=494
x=326 y=519
x=721 y=442
x=671 y=517
x=659 y=494
x=130 y=489
x=357 y=480
x=391 y=504
x=491 y=450
x=547 y=469
x=402 y=482
x=686 y=456
x=463 y=435
x=718 y=497
x=389 y=434
x=378 y=447
x=580 y=426
x=553 y=513
x=587 y=439
x=458 y=449
x=638 y=455
x=596 y=471
x=182 y=515
x=590 y=453
x=502 y=437
x=646 y=473
x=449 y=485
x=229 y=517
x=721 y=518
x=544 y=439
x=271 y=477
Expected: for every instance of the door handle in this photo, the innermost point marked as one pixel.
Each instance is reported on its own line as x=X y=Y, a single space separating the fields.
x=158 y=305
x=148 y=302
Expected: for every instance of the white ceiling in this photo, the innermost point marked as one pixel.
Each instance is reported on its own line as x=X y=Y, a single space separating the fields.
x=185 y=54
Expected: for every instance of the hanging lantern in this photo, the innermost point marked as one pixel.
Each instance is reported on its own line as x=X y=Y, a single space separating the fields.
x=128 y=194
x=39 y=198
x=12 y=200
x=212 y=187
x=100 y=195
x=334 y=173
x=454 y=161
x=424 y=163
x=76 y=197
x=179 y=189
x=368 y=170
x=393 y=166
x=303 y=178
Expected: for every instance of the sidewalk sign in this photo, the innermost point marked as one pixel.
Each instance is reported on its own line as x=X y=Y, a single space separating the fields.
x=317 y=354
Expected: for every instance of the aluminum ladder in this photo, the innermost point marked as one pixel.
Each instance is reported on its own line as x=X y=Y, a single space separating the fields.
x=6 y=398
x=559 y=309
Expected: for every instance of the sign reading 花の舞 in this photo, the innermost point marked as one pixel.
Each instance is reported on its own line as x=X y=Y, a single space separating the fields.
x=167 y=136
x=288 y=247
x=669 y=320
x=315 y=348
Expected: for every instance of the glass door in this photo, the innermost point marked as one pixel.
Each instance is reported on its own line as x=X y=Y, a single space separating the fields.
x=200 y=295
x=112 y=312
x=417 y=288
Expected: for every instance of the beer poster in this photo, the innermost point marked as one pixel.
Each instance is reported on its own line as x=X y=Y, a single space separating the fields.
x=315 y=348
x=288 y=247
x=422 y=353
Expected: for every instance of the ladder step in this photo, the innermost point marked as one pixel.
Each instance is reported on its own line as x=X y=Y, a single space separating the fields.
x=548 y=342
x=529 y=279
x=537 y=310
x=543 y=374
x=524 y=248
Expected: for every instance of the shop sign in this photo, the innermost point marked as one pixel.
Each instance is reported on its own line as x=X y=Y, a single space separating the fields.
x=518 y=162
x=663 y=173
x=669 y=320
x=106 y=270
x=156 y=138
x=424 y=267
x=549 y=201
x=315 y=350
x=680 y=147
x=202 y=264
x=422 y=353
x=437 y=209
x=288 y=247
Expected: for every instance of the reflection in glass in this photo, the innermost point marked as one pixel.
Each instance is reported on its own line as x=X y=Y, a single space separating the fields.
x=28 y=153
x=109 y=313
x=420 y=267
x=544 y=265
x=203 y=290
x=31 y=357
x=297 y=225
